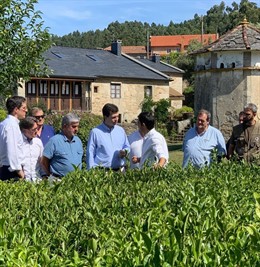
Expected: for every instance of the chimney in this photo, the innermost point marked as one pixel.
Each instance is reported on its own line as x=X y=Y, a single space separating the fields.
x=116 y=47
x=156 y=58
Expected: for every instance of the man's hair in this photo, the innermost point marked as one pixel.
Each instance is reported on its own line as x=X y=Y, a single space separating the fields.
x=69 y=118
x=27 y=123
x=109 y=108
x=34 y=110
x=204 y=111
x=14 y=102
x=148 y=119
x=251 y=106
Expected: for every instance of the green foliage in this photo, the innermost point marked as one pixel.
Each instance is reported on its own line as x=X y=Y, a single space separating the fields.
x=167 y=217
x=3 y=114
x=218 y=19
x=159 y=108
x=22 y=42
x=179 y=112
x=147 y=104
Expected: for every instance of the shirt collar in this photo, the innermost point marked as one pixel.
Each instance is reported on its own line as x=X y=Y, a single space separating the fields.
x=66 y=139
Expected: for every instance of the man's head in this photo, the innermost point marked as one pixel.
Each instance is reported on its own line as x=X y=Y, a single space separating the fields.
x=110 y=114
x=70 y=125
x=250 y=111
x=203 y=120
x=16 y=106
x=38 y=114
x=28 y=127
x=146 y=122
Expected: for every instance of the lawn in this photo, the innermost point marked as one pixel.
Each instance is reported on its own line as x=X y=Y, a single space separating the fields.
x=175 y=153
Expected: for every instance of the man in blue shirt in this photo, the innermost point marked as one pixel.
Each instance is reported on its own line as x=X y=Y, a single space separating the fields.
x=64 y=149
x=107 y=145
x=201 y=140
x=44 y=131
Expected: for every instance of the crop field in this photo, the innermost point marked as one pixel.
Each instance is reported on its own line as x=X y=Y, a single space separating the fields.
x=167 y=217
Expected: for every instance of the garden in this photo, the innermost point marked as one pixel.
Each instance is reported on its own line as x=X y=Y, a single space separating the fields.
x=167 y=217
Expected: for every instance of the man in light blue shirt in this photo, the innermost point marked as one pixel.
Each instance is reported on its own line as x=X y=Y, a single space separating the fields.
x=64 y=150
x=107 y=145
x=201 y=140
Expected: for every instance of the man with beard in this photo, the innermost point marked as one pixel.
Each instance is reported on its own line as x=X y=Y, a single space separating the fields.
x=245 y=138
x=201 y=140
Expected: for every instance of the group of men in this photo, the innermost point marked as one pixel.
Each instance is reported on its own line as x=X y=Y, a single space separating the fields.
x=244 y=143
x=30 y=149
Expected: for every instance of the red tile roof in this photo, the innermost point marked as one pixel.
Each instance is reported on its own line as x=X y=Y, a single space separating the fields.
x=131 y=49
x=184 y=40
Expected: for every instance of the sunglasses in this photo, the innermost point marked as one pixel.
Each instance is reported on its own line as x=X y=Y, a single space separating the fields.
x=39 y=117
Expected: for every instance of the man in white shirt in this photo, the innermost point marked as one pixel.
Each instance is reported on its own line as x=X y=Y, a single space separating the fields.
x=11 y=140
x=154 y=151
x=136 y=143
x=32 y=148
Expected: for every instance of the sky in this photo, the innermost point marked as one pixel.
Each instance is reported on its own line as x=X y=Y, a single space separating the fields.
x=66 y=16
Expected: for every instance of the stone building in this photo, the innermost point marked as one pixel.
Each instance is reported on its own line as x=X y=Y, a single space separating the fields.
x=86 y=79
x=227 y=75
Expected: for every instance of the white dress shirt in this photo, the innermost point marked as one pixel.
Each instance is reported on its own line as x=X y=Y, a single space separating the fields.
x=154 y=148
x=136 y=142
x=32 y=155
x=11 y=140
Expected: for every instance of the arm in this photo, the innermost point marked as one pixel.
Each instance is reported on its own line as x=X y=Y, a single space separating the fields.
x=90 y=151
x=231 y=149
x=45 y=163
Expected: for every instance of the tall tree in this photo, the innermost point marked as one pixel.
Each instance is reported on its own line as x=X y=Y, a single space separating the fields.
x=22 y=42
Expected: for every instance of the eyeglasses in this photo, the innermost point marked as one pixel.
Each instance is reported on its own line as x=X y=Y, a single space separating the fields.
x=39 y=117
x=33 y=130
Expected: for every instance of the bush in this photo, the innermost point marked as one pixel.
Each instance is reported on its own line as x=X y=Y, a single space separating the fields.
x=166 y=217
x=3 y=114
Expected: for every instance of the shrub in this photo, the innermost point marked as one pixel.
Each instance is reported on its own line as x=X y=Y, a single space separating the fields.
x=3 y=114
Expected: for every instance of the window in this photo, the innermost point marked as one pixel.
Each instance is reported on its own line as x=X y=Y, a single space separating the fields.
x=77 y=89
x=148 y=91
x=31 y=88
x=65 y=88
x=168 y=50
x=115 y=90
x=43 y=88
x=95 y=89
x=54 y=88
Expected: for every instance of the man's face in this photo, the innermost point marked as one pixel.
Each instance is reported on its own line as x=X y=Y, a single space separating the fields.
x=248 y=115
x=31 y=133
x=71 y=129
x=39 y=116
x=202 y=123
x=21 y=112
x=112 y=119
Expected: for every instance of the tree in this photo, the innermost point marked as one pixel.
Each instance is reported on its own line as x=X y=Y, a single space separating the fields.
x=22 y=43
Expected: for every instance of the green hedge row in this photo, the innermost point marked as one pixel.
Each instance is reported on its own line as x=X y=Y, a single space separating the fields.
x=168 y=217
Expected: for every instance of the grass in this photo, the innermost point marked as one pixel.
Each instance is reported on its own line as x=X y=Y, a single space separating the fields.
x=175 y=153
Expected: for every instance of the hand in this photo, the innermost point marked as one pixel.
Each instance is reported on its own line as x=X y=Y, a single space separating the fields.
x=122 y=153
x=135 y=159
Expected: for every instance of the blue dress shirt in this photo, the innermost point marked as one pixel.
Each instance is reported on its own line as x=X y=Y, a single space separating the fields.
x=63 y=154
x=47 y=132
x=104 y=145
x=197 y=148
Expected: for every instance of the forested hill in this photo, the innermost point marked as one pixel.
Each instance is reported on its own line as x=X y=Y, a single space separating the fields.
x=219 y=19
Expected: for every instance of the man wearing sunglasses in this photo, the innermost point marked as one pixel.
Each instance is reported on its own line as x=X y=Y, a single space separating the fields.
x=44 y=131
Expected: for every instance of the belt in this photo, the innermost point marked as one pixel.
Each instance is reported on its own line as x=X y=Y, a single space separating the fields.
x=56 y=175
x=112 y=169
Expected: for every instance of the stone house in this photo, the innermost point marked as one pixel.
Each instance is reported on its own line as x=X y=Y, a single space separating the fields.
x=86 y=79
x=227 y=75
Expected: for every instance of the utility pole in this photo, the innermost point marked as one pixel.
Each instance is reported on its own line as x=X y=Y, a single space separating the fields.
x=147 y=44
x=202 y=31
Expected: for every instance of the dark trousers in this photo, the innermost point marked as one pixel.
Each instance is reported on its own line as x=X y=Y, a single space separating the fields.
x=5 y=174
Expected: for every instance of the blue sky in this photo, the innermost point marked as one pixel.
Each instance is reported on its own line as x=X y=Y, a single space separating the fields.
x=66 y=16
